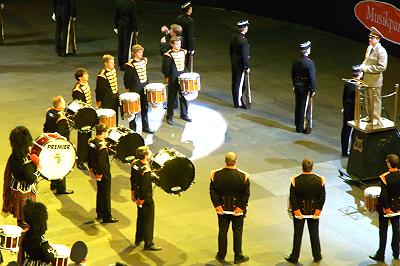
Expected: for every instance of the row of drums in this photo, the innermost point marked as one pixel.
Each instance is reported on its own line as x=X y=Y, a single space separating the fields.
x=10 y=239
x=371 y=200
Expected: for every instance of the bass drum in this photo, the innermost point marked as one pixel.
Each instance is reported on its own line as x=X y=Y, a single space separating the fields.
x=176 y=172
x=81 y=116
x=122 y=143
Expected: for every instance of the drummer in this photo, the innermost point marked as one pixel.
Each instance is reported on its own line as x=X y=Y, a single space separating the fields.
x=135 y=79
x=142 y=194
x=35 y=249
x=56 y=121
x=81 y=92
x=20 y=175
x=388 y=204
x=172 y=66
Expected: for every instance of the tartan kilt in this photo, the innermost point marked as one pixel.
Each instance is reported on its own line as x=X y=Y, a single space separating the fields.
x=19 y=200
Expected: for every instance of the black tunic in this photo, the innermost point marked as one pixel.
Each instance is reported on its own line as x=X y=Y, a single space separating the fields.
x=37 y=248
x=56 y=122
x=141 y=182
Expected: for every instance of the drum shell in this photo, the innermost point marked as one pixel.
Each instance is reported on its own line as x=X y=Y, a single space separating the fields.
x=107 y=117
x=371 y=198
x=9 y=237
x=130 y=102
x=189 y=82
x=61 y=256
x=123 y=146
x=84 y=119
x=156 y=93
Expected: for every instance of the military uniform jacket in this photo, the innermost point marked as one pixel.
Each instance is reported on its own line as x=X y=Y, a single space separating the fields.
x=303 y=73
x=374 y=64
x=390 y=190
x=65 y=8
x=141 y=182
x=125 y=15
x=56 y=121
x=98 y=158
x=239 y=51
x=135 y=77
x=23 y=170
x=307 y=187
x=174 y=64
x=107 y=89
x=82 y=92
x=348 y=99
x=230 y=182
x=37 y=248
x=187 y=24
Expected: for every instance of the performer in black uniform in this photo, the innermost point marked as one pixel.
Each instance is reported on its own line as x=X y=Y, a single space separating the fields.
x=126 y=25
x=142 y=193
x=303 y=78
x=107 y=95
x=174 y=65
x=388 y=204
x=35 y=247
x=135 y=79
x=230 y=191
x=81 y=92
x=65 y=15
x=186 y=21
x=99 y=165
x=307 y=197
x=165 y=42
x=240 y=64
x=348 y=108
x=20 y=175
x=1 y=23
x=57 y=122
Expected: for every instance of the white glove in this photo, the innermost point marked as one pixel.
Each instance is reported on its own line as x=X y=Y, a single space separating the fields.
x=312 y=95
x=248 y=70
x=116 y=31
x=2 y=6
x=53 y=16
x=192 y=52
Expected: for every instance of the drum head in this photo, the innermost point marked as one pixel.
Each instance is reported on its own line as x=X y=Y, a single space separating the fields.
x=86 y=119
x=176 y=173
x=127 y=146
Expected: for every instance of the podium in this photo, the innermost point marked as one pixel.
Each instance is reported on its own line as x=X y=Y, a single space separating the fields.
x=370 y=144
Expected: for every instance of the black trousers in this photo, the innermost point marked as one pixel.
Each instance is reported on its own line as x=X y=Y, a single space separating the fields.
x=237 y=228
x=173 y=91
x=383 y=228
x=301 y=98
x=145 y=224
x=144 y=107
x=298 y=235
x=126 y=39
x=103 y=198
x=58 y=185
x=237 y=76
x=83 y=146
x=61 y=34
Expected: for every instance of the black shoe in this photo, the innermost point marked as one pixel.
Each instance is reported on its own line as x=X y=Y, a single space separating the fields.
x=395 y=257
x=153 y=247
x=137 y=243
x=291 y=259
x=186 y=118
x=82 y=167
x=317 y=259
x=377 y=258
x=170 y=121
x=148 y=130
x=241 y=259
x=110 y=220
x=67 y=191
x=61 y=54
x=219 y=259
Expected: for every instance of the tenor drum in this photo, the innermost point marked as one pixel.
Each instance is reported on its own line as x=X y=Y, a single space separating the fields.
x=156 y=93
x=122 y=143
x=61 y=255
x=9 y=237
x=107 y=117
x=81 y=116
x=130 y=102
x=176 y=172
x=56 y=154
x=190 y=85
x=371 y=196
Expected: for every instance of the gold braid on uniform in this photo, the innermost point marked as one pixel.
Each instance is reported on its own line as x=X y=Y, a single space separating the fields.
x=112 y=79
x=140 y=67
x=179 y=58
x=85 y=89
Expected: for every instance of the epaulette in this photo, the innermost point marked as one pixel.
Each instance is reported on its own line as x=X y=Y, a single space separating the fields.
x=168 y=53
x=102 y=74
x=61 y=116
x=246 y=175
x=145 y=59
x=322 y=179
x=102 y=145
x=293 y=179
x=129 y=63
x=383 y=177
x=213 y=173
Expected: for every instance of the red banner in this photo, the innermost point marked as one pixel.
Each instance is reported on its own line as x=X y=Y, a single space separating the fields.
x=383 y=16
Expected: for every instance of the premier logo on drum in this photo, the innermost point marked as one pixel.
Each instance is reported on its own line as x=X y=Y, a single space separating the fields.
x=59 y=146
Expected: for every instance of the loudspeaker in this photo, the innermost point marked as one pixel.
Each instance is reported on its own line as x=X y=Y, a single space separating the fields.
x=368 y=152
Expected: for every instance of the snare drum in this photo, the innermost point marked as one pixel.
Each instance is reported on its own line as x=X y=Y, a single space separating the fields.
x=371 y=196
x=190 y=85
x=176 y=172
x=9 y=237
x=107 y=117
x=156 y=93
x=56 y=154
x=81 y=116
x=130 y=102
x=122 y=143
x=61 y=255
